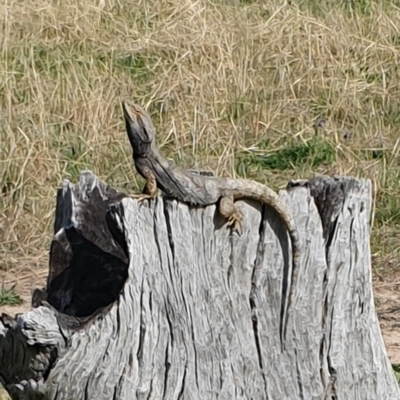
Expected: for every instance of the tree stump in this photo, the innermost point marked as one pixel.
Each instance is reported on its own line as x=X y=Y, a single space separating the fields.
x=160 y=300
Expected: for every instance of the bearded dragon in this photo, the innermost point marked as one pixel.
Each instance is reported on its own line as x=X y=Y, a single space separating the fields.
x=199 y=188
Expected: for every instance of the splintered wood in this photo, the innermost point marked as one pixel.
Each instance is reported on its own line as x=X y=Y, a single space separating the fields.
x=189 y=310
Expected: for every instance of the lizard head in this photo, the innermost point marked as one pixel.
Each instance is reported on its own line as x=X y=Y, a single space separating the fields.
x=139 y=128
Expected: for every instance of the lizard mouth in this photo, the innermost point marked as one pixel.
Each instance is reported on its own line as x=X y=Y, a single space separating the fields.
x=138 y=127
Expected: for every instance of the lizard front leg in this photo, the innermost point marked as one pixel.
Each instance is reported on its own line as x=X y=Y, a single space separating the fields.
x=150 y=188
x=228 y=210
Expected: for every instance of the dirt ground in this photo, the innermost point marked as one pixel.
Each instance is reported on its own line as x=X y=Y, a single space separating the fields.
x=386 y=294
x=387 y=304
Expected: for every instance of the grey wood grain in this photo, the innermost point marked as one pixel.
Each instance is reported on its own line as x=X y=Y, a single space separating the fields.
x=200 y=309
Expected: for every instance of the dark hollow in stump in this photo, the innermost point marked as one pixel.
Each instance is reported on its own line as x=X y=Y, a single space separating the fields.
x=159 y=301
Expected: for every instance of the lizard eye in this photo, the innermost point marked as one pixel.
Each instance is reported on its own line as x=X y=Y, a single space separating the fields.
x=142 y=148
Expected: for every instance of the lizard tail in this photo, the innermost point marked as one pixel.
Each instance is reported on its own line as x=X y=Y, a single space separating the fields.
x=257 y=191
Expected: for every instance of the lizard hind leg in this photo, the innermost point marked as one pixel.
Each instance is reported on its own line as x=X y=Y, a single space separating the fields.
x=228 y=210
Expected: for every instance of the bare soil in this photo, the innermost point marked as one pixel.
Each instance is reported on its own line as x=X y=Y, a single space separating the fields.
x=387 y=305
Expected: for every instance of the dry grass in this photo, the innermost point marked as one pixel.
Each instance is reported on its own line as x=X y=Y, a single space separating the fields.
x=219 y=80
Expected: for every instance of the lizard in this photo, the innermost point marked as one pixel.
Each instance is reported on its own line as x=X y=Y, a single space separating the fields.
x=200 y=188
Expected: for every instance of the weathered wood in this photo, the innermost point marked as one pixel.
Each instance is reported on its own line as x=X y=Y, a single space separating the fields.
x=160 y=300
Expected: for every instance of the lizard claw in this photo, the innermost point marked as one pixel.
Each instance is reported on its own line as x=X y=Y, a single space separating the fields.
x=235 y=220
x=140 y=197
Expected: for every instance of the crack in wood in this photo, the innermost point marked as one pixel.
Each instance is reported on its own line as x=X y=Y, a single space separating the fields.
x=168 y=334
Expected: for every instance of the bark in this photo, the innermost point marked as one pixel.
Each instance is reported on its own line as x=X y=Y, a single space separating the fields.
x=160 y=300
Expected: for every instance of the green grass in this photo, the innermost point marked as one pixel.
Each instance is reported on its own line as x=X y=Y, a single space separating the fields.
x=8 y=297
x=266 y=91
x=396 y=370
x=307 y=155
x=262 y=90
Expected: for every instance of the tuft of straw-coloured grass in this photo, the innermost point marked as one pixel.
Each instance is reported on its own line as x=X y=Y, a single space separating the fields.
x=270 y=91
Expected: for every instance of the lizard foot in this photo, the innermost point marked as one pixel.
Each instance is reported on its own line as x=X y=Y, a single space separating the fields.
x=140 y=197
x=229 y=211
x=235 y=221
